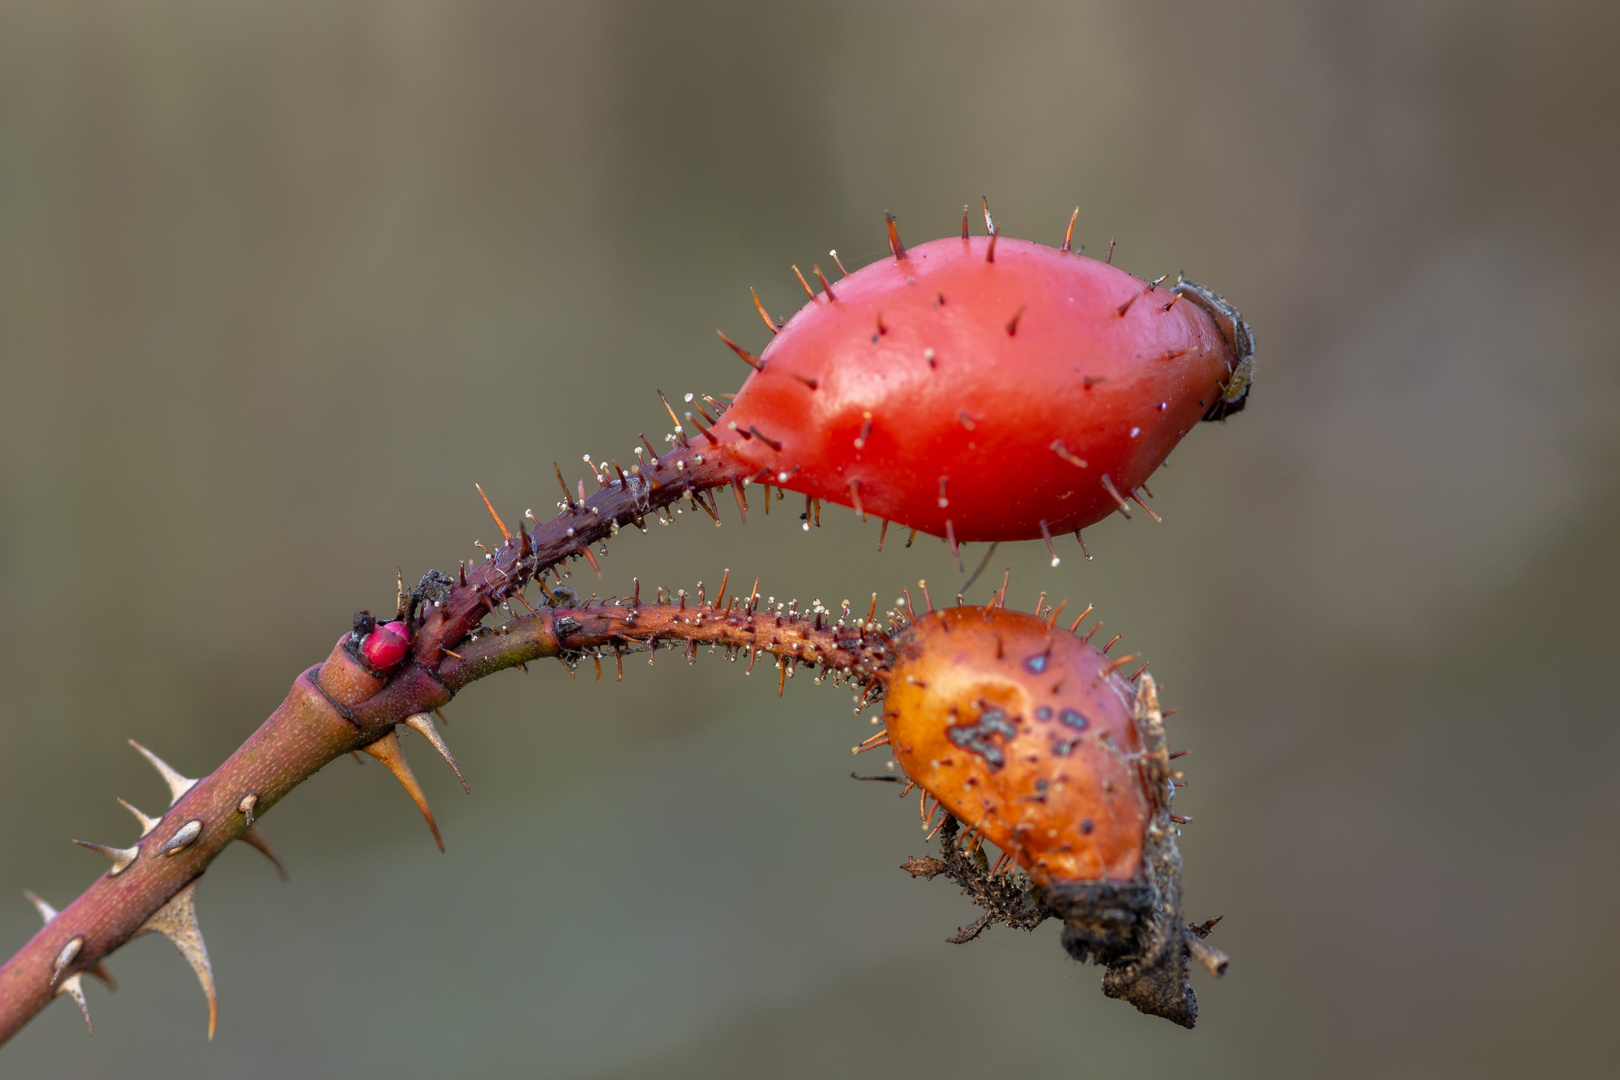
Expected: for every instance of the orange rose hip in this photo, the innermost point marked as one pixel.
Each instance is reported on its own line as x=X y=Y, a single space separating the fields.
x=1024 y=733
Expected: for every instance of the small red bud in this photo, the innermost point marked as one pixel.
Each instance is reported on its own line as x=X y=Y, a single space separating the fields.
x=385 y=646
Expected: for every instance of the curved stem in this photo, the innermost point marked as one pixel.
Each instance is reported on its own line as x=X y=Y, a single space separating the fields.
x=339 y=706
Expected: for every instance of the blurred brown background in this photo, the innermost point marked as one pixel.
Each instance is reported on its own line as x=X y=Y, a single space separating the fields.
x=280 y=281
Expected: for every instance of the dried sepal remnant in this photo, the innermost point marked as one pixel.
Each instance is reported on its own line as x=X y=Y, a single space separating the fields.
x=1034 y=740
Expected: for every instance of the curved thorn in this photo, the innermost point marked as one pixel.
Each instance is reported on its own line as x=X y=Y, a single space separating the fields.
x=254 y=837
x=147 y=823
x=423 y=725
x=1068 y=235
x=178 y=785
x=46 y=912
x=770 y=323
x=73 y=987
x=121 y=857
x=177 y=921
x=387 y=751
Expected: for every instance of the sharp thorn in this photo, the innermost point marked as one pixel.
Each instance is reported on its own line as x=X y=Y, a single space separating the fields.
x=826 y=286
x=387 y=751
x=506 y=534
x=46 y=912
x=747 y=357
x=840 y=262
x=1110 y=259
x=1068 y=235
x=177 y=921
x=1121 y=662
x=808 y=291
x=178 y=785
x=680 y=432
x=989 y=226
x=770 y=323
x=1108 y=486
x=147 y=823
x=964 y=221
x=73 y=987
x=121 y=857
x=984 y=562
x=1138 y=500
x=423 y=725
x=254 y=837
x=896 y=248
x=990 y=252
x=568 y=496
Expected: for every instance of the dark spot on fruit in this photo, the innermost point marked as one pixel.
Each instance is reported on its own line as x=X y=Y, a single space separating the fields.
x=1086 y=826
x=1073 y=719
x=1043 y=713
x=976 y=737
x=1037 y=664
x=1064 y=747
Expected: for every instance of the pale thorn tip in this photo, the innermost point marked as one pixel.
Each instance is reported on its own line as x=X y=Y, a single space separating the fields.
x=254 y=837
x=387 y=751
x=73 y=987
x=121 y=857
x=148 y=823
x=177 y=921
x=423 y=725
x=178 y=785
x=45 y=910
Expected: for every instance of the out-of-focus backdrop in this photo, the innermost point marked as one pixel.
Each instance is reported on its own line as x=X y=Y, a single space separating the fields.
x=280 y=281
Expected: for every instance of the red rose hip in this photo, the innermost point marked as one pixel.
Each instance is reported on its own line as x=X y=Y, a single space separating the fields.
x=385 y=646
x=987 y=388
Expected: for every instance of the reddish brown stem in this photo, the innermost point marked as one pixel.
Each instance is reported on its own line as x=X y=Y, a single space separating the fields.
x=340 y=706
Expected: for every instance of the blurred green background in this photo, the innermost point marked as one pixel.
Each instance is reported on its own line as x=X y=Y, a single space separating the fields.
x=280 y=281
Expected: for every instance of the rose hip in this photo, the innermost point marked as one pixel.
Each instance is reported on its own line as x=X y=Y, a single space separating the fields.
x=987 y=388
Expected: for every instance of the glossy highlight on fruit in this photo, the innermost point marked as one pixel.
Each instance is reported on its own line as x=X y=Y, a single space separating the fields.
x=987 y=388
x=1026 y=734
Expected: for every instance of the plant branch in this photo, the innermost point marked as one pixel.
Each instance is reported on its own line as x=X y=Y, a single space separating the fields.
x=342 y=705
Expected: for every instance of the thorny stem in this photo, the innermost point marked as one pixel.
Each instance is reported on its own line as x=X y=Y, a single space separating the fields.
x=340 y=706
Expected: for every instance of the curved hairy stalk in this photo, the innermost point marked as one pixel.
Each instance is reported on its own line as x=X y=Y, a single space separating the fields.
x=344 y=705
